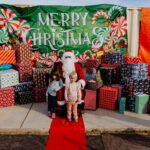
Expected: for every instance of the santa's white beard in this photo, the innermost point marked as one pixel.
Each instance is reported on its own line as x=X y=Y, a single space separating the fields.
x=67 y=67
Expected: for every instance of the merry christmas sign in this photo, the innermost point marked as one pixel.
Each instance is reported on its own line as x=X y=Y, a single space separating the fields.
x=55 y=28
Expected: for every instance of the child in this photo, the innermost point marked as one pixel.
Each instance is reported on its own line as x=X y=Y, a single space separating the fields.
x=72 y=96
x=51 y=93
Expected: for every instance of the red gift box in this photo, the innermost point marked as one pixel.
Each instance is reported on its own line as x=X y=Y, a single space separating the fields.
x=39 y=94
x=133 y=59
x=90 y=64
x=23 y=54
x=91 y=99
x=108 y=97
x=39 y=77
x=7 y=97
x=25 y=72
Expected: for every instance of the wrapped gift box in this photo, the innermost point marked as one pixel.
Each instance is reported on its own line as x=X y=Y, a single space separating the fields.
x=24 y=97
x=39 y=94
x=6 y=97
x=141 y=103
x=134 y=70
x=122 y=105
x=119 y=87
x=131 y=103
x=135 y=86
x=113 y=58
x=24 y=86
x=108 y=97
x=93 y=85
x=92 y=63
x=23 y=54
x=108 y=75
x=133 y=59
x=91 y=99
x=40 y=76
x=8 y=78
x=7 y=57
x=25 y=72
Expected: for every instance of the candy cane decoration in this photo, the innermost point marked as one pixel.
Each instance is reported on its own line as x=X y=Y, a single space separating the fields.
x=87 y=51
x=82 y=58
x=124 y=39
x=97 y=14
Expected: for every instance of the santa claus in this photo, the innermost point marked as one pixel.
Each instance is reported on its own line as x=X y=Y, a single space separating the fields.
x=68 y=64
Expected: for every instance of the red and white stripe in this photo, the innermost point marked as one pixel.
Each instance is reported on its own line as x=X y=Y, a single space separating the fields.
x=7 y=20
x=119 y=26
x=97 y=14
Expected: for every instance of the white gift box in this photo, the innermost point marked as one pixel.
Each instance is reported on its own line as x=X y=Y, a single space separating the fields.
x=9 y=78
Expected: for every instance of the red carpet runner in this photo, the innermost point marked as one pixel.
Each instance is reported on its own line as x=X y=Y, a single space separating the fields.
x=66 y=135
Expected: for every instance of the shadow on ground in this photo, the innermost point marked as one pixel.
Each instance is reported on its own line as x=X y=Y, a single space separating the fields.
x=99 y=142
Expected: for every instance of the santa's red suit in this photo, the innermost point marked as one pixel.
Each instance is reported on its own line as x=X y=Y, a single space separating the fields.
x=79 y=71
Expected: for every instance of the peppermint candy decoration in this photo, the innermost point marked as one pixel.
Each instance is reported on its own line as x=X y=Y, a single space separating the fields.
x=111 y=39
x=3 y=37
x=7 y=20
x=97 y=14
x=119 y=26
x=23 y=28
x=82 y=58
x=95 y=46
x=53 y=58
x=35 y=55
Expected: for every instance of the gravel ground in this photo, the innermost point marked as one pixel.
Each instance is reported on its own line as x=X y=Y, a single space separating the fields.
x=101 y=142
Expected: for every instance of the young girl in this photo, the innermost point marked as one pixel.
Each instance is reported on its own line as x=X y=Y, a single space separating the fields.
x=51 y=93
x=72 y=96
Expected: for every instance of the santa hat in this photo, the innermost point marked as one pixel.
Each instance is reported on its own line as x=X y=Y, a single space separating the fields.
x=69 y=53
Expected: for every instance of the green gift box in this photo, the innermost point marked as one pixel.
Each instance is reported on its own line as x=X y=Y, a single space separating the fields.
x=141 y=103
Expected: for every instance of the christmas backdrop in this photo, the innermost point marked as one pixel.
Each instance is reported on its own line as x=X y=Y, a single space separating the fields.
x=56 y=28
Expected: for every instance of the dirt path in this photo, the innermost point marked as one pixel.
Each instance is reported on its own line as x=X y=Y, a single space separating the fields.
x=101 y=142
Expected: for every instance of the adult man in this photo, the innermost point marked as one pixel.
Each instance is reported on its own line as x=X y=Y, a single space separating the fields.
x=68 y=65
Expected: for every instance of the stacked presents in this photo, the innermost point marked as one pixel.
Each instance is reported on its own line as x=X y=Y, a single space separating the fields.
x=8 y=78
x=125 y=83
x=24 y=84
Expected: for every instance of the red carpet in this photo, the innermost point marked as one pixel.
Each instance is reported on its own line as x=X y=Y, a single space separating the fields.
x=66 y=135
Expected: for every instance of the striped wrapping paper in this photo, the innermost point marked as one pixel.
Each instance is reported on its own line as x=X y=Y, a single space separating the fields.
x=132 y=59
x=7 y=57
